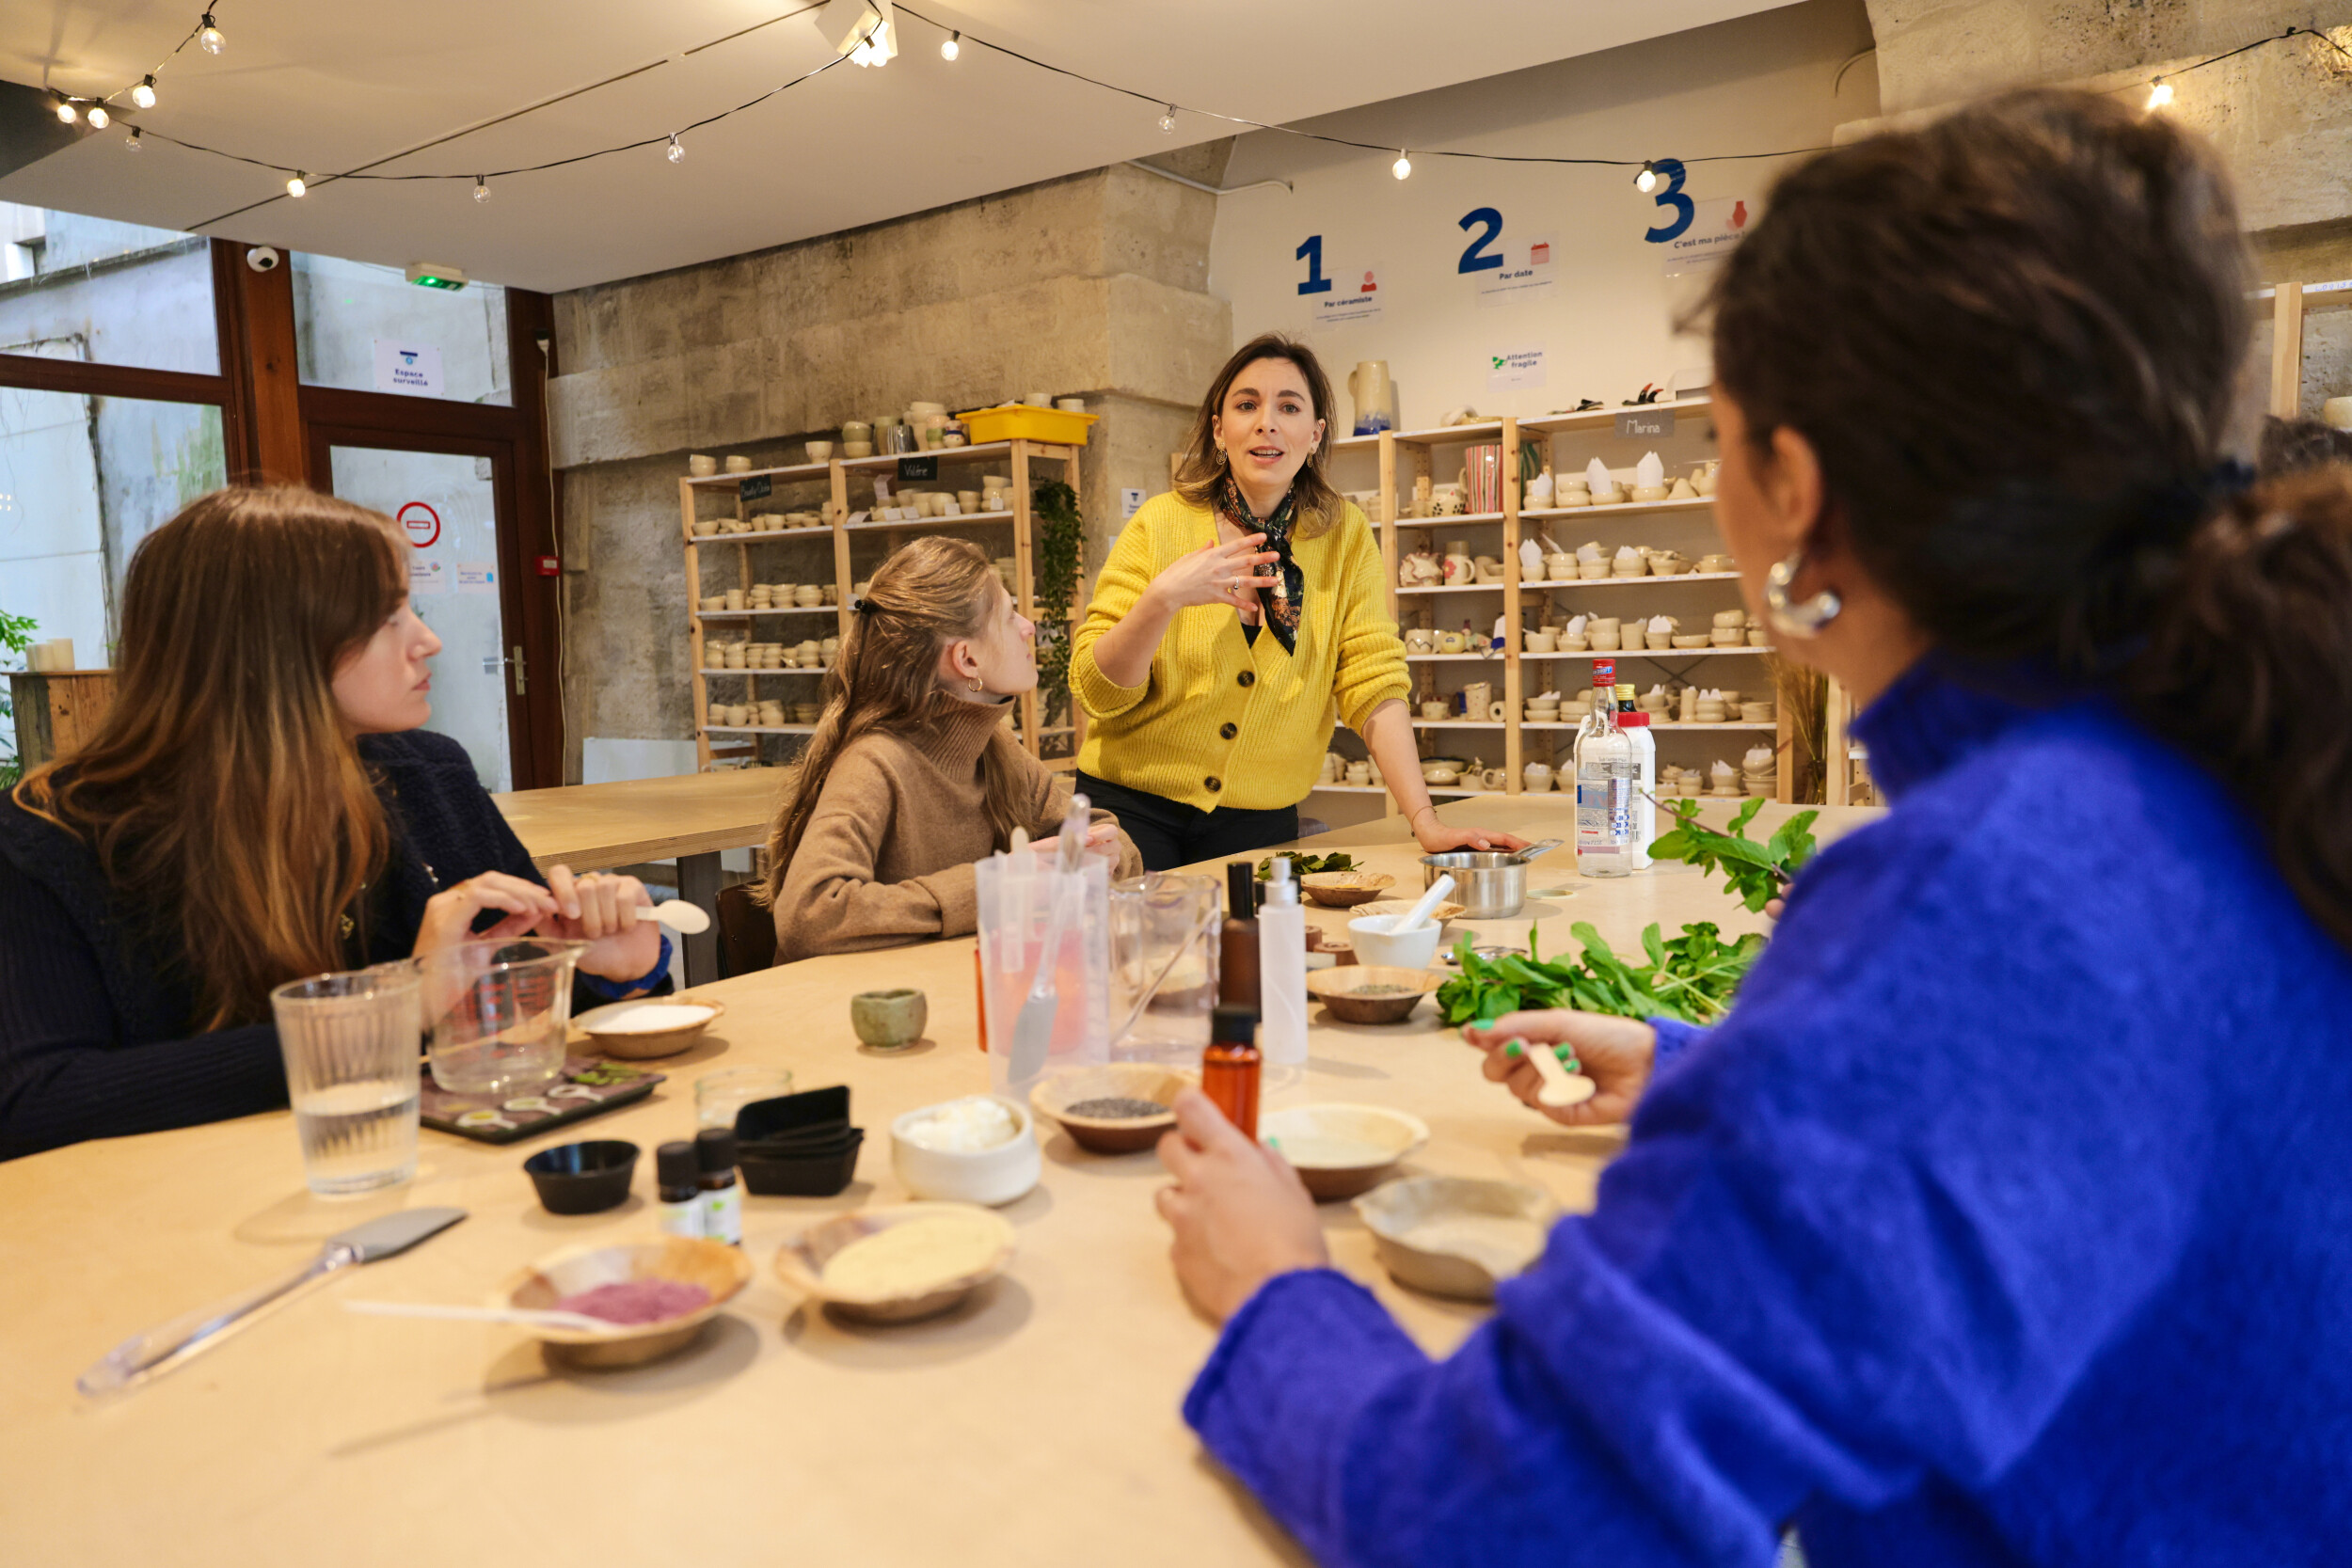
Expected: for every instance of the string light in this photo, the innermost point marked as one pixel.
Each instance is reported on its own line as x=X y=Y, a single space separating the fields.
x=1646 y=181
x=131 y=141
x=2159 y=94
x=208 y=36
x=298 y=187
x=953 y=47
x=678 y=154
x=98 y=118
x=480 y=188
x=66 y=112
x=1167 y=121
x=1402 y=165
x=144 y=94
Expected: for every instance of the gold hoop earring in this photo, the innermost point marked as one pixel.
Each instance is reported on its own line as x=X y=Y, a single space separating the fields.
x=975 y=682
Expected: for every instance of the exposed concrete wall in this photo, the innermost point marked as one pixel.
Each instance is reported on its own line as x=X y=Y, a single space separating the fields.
x=1094 y=286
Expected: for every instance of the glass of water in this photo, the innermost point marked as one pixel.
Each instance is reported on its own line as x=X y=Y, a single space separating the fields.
x=351 y=1042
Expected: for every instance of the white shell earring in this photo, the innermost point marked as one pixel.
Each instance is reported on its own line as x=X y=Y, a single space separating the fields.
x=1797 y=618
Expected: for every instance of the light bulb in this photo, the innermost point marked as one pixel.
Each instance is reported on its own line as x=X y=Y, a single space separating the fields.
x=208 y=36
x=1402 y=165
x=144 y=94
x=67 y=112
x=1167 y=121
x=1646 y=181
x=298 y=187
x=2159 y=93
x=131 y=141
x=98 y=118
x=953 y=47
x=480 y=188
x=678 y=154
x=862 y=55
x=879 y=49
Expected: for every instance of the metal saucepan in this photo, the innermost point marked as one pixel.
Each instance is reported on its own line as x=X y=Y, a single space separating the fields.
x=1491 y=884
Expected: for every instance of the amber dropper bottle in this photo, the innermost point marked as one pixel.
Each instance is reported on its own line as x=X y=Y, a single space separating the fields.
x=1237 y=939
x=1228 y=1068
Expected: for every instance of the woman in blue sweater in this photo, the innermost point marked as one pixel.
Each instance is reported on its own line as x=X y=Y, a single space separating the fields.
x=2005 y=1219
x=258 y=806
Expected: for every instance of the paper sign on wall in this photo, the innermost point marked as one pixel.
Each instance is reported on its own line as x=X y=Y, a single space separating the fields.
x=476 y=576
x=426 y=576
x=1527 y=272
x=412 y=368
x=1508 y=368
x=1354 y=298
x=1715 y=228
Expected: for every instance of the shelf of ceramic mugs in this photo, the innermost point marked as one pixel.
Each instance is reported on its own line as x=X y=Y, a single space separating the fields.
x=746 y=614
x=1669 y=725
x=1548 y=424
x=780 y=670
x=760 y=729
x=718 y=479
x=1436 y=792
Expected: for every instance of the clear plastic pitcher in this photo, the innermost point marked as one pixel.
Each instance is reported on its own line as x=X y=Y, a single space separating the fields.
x=497 y=1013
x=1033 y=916
x=1163 y=929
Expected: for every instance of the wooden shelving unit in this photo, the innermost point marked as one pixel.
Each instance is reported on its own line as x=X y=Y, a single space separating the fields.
x=842 y=488
x=1403 y=457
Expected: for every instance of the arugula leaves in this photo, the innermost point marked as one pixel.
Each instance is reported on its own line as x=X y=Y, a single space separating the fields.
x=1302 y=864
x=1691 y=977
x=1753 y=873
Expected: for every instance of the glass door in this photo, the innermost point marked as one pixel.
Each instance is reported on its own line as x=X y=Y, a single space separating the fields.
x=449 y=504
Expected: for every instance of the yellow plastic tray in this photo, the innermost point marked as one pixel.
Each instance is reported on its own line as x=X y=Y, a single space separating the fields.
x=1027 y=423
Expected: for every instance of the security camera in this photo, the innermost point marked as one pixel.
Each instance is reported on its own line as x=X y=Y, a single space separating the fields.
x=263 y=258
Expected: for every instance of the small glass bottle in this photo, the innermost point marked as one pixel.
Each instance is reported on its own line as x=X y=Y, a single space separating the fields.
x=723 y=1200
x=1606 y=773
x=1228 y=1068
x=1237 y=939
x=677 y=1178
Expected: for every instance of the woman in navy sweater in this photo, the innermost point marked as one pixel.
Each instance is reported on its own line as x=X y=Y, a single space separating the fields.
x=260 y=805
x=2004 y=1220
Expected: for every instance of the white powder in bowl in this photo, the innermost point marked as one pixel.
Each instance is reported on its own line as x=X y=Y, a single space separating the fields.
x=652 y=1018
x=963 y=1126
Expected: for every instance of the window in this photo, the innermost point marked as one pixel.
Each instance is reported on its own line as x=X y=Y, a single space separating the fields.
x=368 y=328
x=106 y=292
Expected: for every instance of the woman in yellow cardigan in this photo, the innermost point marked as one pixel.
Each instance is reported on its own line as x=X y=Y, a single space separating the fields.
x=1236 y=615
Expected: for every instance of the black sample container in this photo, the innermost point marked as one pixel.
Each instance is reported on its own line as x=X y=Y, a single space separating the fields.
x=583 y=1177
x=798 y=1144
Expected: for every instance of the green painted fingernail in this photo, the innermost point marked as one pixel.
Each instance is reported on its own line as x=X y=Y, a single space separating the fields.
x=1517 y=1048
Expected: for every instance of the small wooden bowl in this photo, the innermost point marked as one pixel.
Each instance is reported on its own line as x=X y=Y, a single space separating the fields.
x=1338 y=1149
x=638 y=1045
x=1407 y=1224
x=1053 y=1095
x=1340 y=890
x=1337 y=989
x=802 y=1262
x=716 y=1267
x=1443 y=910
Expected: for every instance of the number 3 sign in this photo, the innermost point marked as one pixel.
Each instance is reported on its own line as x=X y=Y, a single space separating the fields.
x=1672 y=200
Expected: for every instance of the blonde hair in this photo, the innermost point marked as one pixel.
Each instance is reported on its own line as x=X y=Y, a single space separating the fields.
x=223 y=796
x=927 y=595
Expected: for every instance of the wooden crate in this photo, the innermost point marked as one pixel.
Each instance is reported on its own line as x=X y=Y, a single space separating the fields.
x=57 y=710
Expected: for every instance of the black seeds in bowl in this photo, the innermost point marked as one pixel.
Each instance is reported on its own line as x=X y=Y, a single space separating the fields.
x=1118 y=1108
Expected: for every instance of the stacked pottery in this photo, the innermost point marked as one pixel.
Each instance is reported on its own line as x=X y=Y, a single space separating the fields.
x=1723 y=779
x=1759 y=635
x=1654 y=701
x=1537 y=776
x=772 y=714
x=1544 y=710
x=760 y=595
x=1667 y=564
x=1531 y=561
x=1576 y=634
x=1359 y=773
x=1591 y=564
x=1710 y=708
x=827 y=650
x=1659 y=632
x=1602 y=484
x=1560 y=566
x=1542 y=640
x=1650 y=479
x=1757 y=770
x=1731 y=628
x=1703 y=477
x=1602 y=632
x=807 y=713
x=828 y=595
x=1681 y=780
x=1756 y=713
x=811 y=654
x=1628 y=562
x=808 y=595
x=1717 y=563
x=1573 y=490
x=734 y=654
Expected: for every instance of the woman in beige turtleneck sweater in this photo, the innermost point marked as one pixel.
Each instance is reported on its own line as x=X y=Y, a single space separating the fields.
x=911 y=775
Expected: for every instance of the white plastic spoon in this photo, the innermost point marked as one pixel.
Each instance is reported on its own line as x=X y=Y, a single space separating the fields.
x=525 y=1316
x=1561 y=1087
x=687 y=920
x=1412 y=919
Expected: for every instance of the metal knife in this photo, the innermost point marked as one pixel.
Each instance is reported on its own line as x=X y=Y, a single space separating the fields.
x=146 y=1356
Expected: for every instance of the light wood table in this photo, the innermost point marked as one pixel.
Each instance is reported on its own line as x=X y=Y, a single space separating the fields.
x=1036 y=1425
x=688 y=818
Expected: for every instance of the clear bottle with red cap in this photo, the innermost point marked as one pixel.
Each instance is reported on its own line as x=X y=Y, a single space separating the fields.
x=1607 y=779
x=1635 y=723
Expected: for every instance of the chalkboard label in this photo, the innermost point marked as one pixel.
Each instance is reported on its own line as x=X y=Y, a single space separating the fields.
x=758 y=488
x=1645 y=422
x=917 y=468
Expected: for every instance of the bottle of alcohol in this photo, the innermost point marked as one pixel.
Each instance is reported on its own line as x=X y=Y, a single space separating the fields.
x=1636 y=728
x=1228 y=1068
x=1282 y=977
x=1607 y=772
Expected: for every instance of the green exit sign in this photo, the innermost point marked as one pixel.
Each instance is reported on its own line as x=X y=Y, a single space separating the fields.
x=427 y=275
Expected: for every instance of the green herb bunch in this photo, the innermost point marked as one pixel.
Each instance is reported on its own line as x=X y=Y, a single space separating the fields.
x=16 y=635
x=1302 y=863
x=1691 y=977
x=1753 y=873
x=1057 y=551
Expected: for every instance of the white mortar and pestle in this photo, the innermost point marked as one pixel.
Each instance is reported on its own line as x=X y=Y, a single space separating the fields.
x=1408 y=940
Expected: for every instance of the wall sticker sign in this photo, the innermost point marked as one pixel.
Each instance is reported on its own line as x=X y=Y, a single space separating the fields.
x=421 y=523
x=426 y=576
x=1510 y=369
x=1347 y=295
x=411 y=368
x=1506 y=271
x=477 y=577
x=1714 y=229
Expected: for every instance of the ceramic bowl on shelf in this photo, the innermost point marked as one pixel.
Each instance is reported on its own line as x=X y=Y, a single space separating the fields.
x=1693 y=639
x=854 y=449
x=1373 y=994
x=1757 y=713
x=1718 y=564
x=1339 y=1150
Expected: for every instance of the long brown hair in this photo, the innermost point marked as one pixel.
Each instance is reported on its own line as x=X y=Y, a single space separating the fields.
x=2017 y=338
x=1199 y=475
x=924 y=596
x=223 y=797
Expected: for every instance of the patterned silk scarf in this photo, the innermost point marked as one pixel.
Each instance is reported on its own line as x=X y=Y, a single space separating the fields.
x=1286 y=601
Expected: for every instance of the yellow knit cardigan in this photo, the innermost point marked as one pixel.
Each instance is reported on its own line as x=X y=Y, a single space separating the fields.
x=1220 y=722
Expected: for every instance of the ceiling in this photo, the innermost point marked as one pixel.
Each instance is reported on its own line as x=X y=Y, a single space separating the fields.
x=329 y=87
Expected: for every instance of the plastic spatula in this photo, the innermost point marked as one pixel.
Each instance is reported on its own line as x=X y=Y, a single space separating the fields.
x=1033 y=1031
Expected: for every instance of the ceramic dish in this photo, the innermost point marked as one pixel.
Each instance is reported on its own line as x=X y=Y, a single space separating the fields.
x=1054 y=1095
x=1453 y=1236
x=1339 y=890
x=1339 y=1150
x=582 y=1178
x=1340 y=989
x=996 y=1175
x=621 y=1029
x=718 y=1268
x=979 y=1247
x=1440 y=913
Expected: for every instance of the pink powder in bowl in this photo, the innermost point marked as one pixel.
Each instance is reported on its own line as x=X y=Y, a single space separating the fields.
x=637 y=1300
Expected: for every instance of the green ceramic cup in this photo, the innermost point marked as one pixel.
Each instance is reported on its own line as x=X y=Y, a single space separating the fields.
x=889 y=1020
